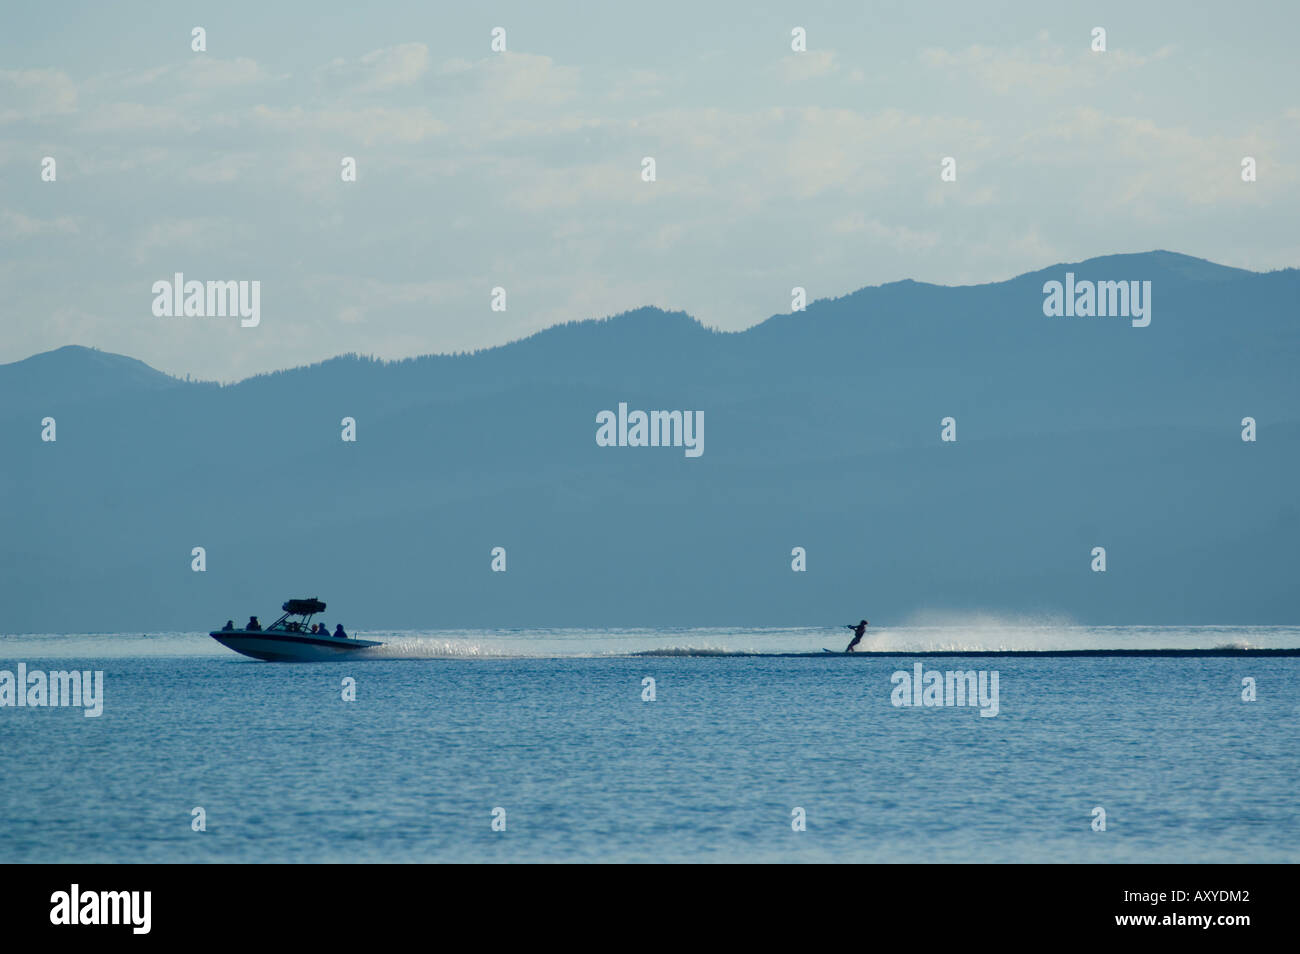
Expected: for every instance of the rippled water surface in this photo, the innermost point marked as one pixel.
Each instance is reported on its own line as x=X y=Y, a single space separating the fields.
x=551 y=727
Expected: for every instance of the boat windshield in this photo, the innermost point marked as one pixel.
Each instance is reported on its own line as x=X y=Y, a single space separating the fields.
x=286 y=625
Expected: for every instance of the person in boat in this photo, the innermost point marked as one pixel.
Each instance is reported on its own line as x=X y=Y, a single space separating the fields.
x=338 y=632
x=230 y=625
x=857 y=633
x=315 y=629
x=253 y=625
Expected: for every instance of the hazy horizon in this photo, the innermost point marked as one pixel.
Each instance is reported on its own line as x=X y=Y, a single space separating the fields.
x=290 y=366
x=522 y=169
x=923 y=447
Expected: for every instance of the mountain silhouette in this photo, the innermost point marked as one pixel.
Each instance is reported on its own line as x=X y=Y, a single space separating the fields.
x=822 y=430
x=75 y=374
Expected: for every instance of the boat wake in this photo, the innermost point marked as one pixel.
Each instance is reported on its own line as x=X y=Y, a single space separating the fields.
x=693 y=651
x=974 y=633
x=927 y=633
x=424 y=647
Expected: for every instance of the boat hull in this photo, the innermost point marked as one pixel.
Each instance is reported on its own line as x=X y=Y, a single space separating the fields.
x=290 y=647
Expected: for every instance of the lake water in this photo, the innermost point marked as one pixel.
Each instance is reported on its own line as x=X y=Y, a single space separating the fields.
x=551 y=727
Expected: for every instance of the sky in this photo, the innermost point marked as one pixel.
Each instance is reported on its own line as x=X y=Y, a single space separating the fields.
x=523 y=170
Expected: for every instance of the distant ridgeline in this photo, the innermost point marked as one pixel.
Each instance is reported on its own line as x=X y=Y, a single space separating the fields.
x=906 y=447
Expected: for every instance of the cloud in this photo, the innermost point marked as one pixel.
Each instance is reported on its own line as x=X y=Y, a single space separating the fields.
x=369 y=126
x=356 y=298
x=211 y=74
x=223 y=168
x=206 y=233
x=795 y=67
x=159 y=98
x=1137 y=165
x=16 y=225
x=118 y=160
x=1043 y=69
x=511 y=78
x=894 y=236
x=138 y=117
x=636 y=84
x=35 y=94
x=962 y=192
x=538 y=188
x=801 y=151
x=383 y=69
x=190 y=79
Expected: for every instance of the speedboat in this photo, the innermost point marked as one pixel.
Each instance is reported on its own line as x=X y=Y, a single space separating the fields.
x=289 y=638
